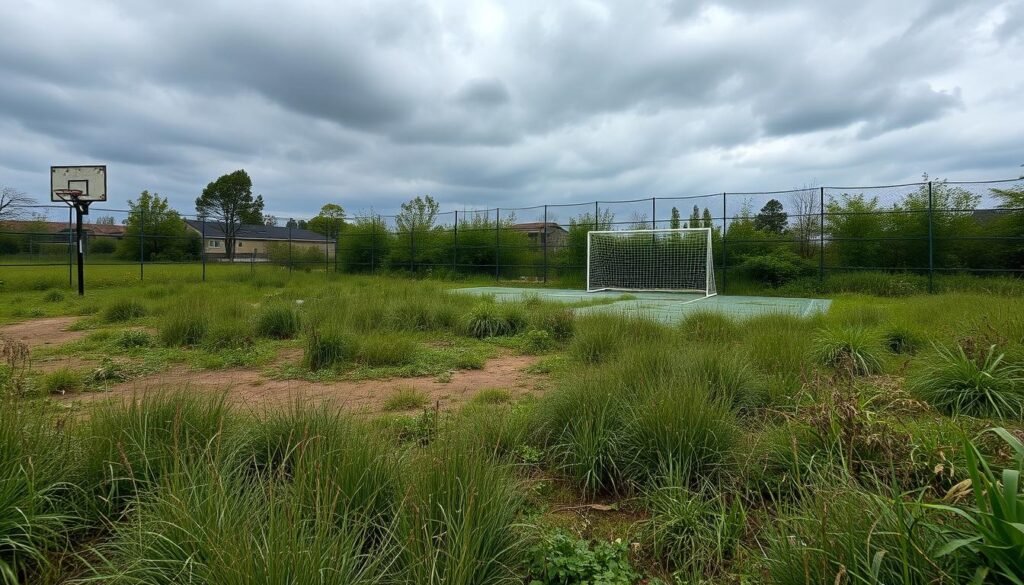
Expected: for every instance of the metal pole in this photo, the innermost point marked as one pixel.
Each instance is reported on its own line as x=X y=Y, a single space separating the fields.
x=142 y=242
x=931 y=242
x=455 y=246
x=821 y=236
x=654 y=213
x=544 y=234
x=725 y=254
x=203 y=219
x=497 y=245
x=71 y=252
x=81 y=253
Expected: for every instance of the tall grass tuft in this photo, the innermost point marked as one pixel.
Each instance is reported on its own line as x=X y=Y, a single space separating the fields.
x=405 y=399
x=328 y=346
x=185 y=322
x=379 y=349
x=277 y=320
x=852 y=350
x=123 y=310
x=984 y=385
x=705 y=326
x=490 y=319
x=557 y=321
x=600 y=337
x=459 y=519
x=847 y=536
x=63 y=381
x=128 y=447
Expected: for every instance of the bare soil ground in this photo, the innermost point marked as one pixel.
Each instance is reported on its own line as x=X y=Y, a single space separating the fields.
x=249 y=388
x=42 y=332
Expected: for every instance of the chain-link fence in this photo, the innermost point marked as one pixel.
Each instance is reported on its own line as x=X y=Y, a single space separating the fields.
x=924 y=231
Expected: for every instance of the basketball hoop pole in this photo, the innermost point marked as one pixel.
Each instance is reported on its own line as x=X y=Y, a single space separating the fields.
x=71 y=197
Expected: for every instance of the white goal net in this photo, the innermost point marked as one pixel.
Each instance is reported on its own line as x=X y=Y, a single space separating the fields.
x=667 y=260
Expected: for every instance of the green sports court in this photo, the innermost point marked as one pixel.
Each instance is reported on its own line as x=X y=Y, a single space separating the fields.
x=661 y=306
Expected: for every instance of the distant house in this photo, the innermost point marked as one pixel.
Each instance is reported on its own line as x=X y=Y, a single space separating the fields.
x=540 y=233
x=254 y=242
x=59 y=232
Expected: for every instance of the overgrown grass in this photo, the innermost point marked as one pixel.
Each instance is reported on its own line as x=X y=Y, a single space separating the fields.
x=405 y=399
x=854 y=350
x=63 y=381
x=277 y=320
x=124 y=310
x=986 y=384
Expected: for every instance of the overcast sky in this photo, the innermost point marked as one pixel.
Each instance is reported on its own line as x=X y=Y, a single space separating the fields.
x=484 y=104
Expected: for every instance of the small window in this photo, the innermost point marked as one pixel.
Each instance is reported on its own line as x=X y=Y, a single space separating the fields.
x=214 y=243
x=239 y=244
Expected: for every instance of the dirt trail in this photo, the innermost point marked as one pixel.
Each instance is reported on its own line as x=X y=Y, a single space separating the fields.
x=40 y=332
x=249 y=388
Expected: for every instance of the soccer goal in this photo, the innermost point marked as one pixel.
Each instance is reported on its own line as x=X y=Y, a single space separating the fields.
x=661 y=260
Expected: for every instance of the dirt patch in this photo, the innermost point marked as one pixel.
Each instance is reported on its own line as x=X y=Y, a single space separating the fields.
x=43 y=332
x=250 y=388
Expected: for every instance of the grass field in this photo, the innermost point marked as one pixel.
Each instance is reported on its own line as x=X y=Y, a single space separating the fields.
x=876 y=442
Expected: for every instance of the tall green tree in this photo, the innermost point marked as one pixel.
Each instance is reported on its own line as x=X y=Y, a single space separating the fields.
x=228 y=201
x=163 y=234
x=706 y=217
x=675 y=221
x=418 y=213
x=772 y=218
x=695 y=221
x=329 y=221
x=1010 y=224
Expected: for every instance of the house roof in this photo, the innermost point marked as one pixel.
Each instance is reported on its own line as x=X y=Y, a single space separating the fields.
x=536 y=226
x=257 y=232
x=56 y=227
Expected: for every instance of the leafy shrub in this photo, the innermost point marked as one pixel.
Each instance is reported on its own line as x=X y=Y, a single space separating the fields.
x=132 y=338
x=63 y=381
x=852 y=350
x=123 y=310
x=560 y=559
x=405 y=399
x=777 y=267
x=328 y=347
x=53 y=296
x=982 y=385
x=378 y=349
x=277 y=321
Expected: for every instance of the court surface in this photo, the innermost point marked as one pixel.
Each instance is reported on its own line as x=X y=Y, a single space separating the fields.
x=664 y=307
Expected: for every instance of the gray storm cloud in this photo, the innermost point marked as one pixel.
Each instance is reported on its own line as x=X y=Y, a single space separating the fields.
x=483 y=104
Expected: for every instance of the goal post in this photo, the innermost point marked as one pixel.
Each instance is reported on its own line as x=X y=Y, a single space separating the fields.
x=655 y=260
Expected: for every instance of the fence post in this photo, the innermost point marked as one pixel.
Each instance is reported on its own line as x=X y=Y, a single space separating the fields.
x=725 y=255
x=455 y=246
x=203 y=248
x=497 y=245
x=654 y=213
x=821 y=236
x=931 y=242
x=544 y=234
x=142 y=242
x=289 y=246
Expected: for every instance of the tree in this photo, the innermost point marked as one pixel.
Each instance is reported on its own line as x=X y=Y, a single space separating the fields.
x=104 y=220
x=418 y=213
x=270 y=220
x=1010 y=224
x=291 y=223
x=329 y=221
x=708 y=222
x=695 y=221
x=675 y=221
x=771 y=219
x=163 y=234
x=229 y=202
x=807 y=223
x=11 y=202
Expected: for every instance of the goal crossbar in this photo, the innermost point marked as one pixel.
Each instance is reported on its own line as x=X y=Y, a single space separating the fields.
x=651 y=260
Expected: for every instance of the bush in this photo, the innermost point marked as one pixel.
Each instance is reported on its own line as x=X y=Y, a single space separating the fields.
x=123 y=310
x=777 y=267
x=982 y=385
x=102 y=246
x=53 y=296
x=63 y=381
x=852 y=350
x=277 y=320
x=560 y=559
x=405 y=399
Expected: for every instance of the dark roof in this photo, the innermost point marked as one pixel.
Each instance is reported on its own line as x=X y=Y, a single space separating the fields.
x=257 y=232
x=56 y=227
x=536 y=225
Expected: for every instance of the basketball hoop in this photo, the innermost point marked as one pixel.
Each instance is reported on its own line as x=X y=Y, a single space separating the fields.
x=67 y=195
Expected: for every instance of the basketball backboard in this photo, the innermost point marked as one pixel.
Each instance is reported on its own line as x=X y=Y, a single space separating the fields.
x=91 y=180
